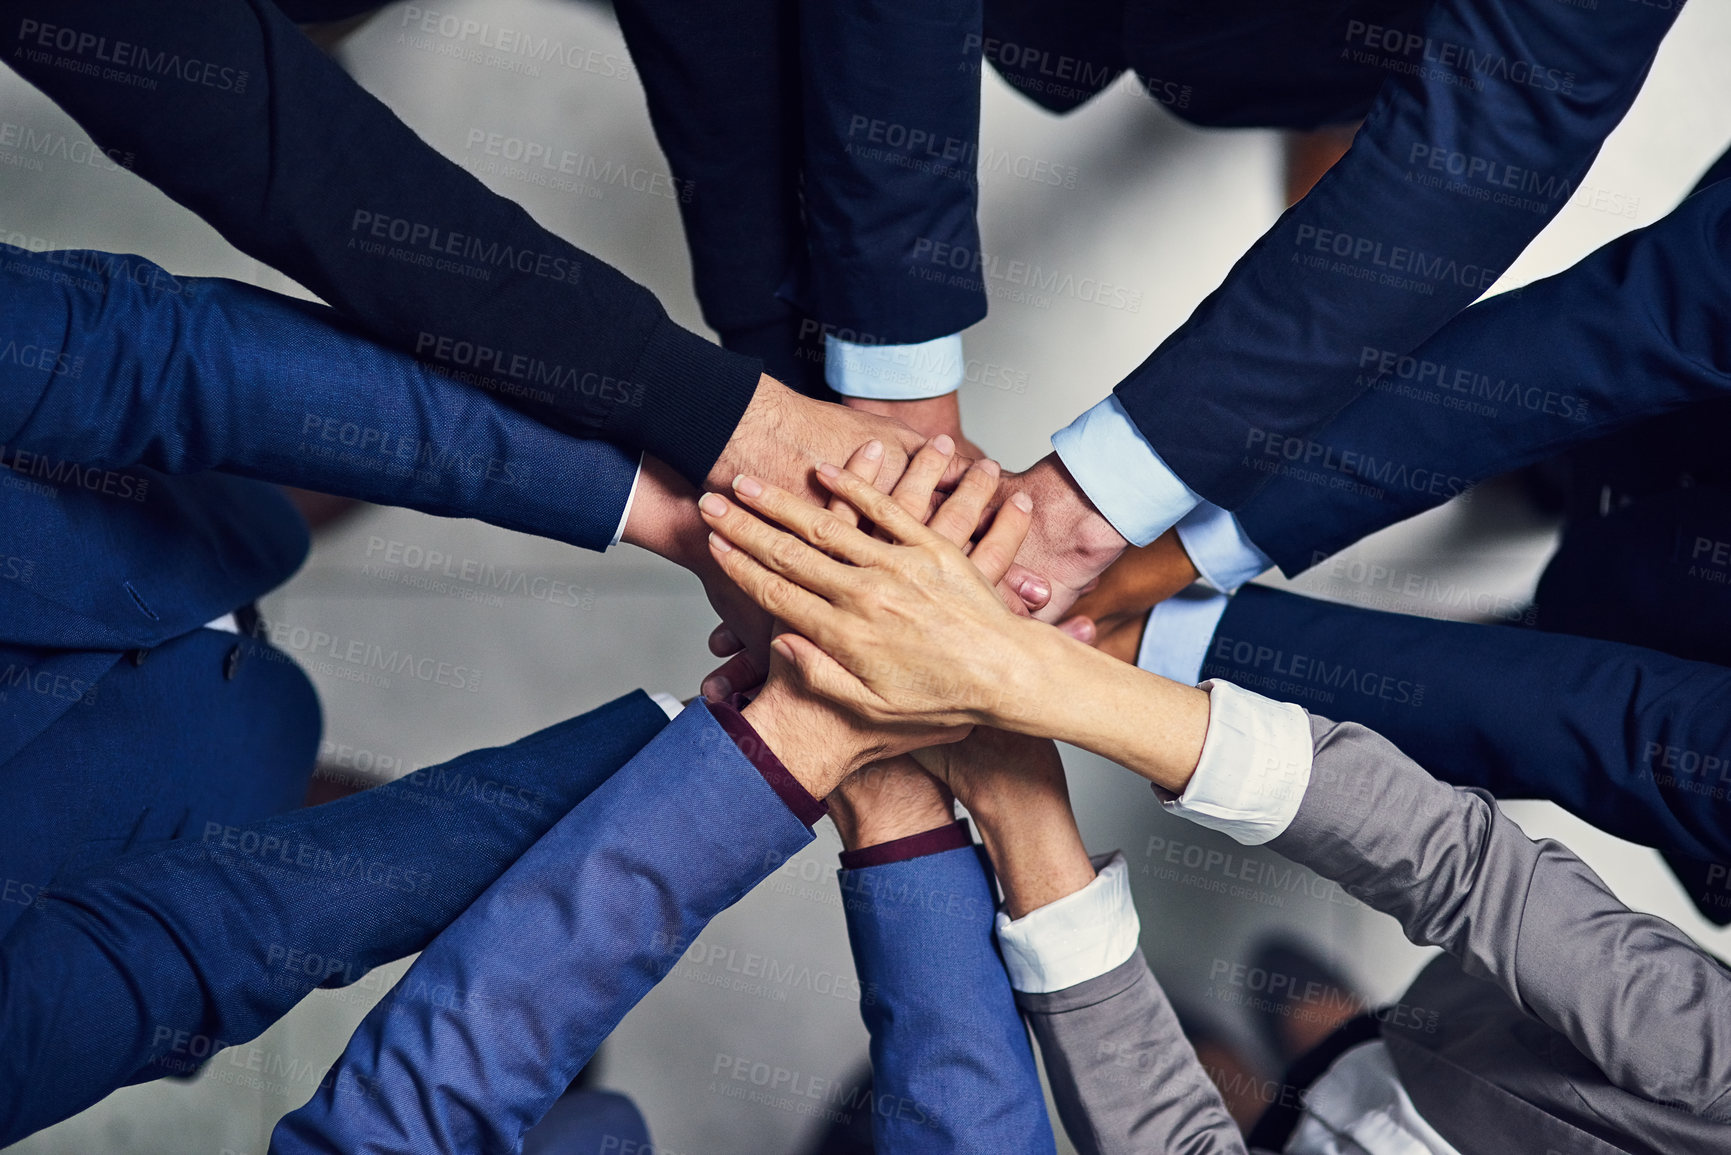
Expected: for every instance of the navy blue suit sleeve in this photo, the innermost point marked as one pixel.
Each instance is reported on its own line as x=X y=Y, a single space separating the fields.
x=892 y=128
x=497 y=1016
x=149 y=964
x=1486 y=123
x=1597 y=727
x=1640 y=327
x=116 y=363
x=232 y=111
x=952 y=1069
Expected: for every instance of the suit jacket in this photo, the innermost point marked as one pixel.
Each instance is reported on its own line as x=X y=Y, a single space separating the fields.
x=1564 y=1019
x=824 y=153
x=132 y=404
x=1478 y=98
x=147 y=965
x=476 y=1042
x=122 y=392
x=1635 y=330
x=951 y=1067
x=296 y=165
x=1629 y=739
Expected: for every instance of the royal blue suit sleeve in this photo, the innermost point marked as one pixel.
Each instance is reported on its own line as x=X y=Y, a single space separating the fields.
x=1629 y=739
x=471 y=1048
x=229 y=109
x=1638 y=328
x=113 y=362
x=952 y=1069
x=1487 y=122
x=148 y=965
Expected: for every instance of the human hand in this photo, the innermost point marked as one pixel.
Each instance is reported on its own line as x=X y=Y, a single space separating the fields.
x=830 y=746
x=1014 y=789
x=1068 y=545
x=781 y=438
x=908 y=630
x=928 y=416
x=1113 y=614
x=664 y=520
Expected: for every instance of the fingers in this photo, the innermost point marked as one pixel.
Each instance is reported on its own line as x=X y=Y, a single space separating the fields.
x=822 y=674
x=959 y=516
x=736 y=675
x=867 y=462
x=914 y=491
x=817 y=527
x=779 y=597
x=1034 y=591
x=1083 y=629
x=723 y=642
x=996 y=552
x=878 y=508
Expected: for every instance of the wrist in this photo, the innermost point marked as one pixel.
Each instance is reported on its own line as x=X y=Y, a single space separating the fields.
x=818 y=752
x=664 y=518
x=1064 y=501
x=927 y=416
x=1038 y=855
x=887 y=801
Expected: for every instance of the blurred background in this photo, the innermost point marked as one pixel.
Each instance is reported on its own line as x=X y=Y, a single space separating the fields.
x=1143 y=202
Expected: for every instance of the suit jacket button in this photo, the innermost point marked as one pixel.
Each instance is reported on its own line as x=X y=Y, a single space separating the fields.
x=231 y=664
x=136 y=657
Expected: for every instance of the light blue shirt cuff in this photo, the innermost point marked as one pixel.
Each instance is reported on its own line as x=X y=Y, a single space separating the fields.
x=1219 y=549
x=1175 y=641
x=1121 y=474
x=894 y=372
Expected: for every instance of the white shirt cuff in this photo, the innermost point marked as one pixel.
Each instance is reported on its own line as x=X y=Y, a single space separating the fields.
x=1080 y=937
x=1219 y=549
x=1255 y=766
x=894 y=372
x=625 y=514
x=1121 y=474
x=1175 y=641
x=670 y=705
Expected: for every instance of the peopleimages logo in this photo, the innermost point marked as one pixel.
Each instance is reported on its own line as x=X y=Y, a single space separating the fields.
x=135 y=64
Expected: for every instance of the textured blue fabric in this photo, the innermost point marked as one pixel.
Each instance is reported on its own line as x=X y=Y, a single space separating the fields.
x=892 y=126
x=1631 y=740
x=590 y=1123
x=1640 y=327
x=229 y=109
x=1385 y=249
x=473 y=1046
x=188 y=375
x=952 y=1069
x=210 y=728
x=146 y=964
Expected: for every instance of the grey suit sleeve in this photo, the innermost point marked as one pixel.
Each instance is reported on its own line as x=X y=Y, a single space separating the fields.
x=1630 y=991
x=1125 y=1078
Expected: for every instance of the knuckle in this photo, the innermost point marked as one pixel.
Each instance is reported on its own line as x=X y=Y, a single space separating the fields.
x=784 y=553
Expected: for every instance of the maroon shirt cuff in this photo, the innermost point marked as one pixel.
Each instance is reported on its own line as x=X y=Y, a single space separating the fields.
x=951 y=836
x=781 y=780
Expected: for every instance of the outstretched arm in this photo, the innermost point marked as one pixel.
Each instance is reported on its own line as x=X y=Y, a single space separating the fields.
x=879 y=636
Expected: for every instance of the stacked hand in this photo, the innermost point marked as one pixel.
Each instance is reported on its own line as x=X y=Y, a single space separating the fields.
x=909 y=630
x=835 y=742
